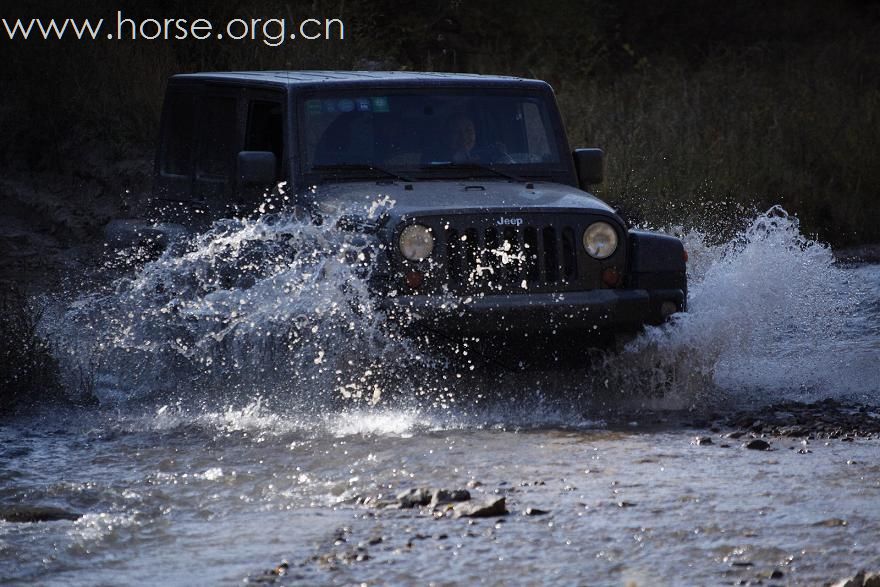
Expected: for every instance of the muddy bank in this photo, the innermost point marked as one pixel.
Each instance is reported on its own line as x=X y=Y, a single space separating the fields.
x=52 y=221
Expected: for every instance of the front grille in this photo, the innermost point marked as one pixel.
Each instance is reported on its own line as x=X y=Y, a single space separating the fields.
x=508 y=259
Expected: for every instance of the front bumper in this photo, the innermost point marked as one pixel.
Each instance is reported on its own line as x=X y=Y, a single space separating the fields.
x=597 y=311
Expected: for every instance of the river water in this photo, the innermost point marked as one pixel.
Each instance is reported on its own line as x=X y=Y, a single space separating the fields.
x=252 y=410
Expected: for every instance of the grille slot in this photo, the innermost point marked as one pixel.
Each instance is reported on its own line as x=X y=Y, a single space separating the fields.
x=480 y=259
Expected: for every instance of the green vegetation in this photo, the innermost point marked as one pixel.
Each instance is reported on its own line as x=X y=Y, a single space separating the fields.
x=699 y=105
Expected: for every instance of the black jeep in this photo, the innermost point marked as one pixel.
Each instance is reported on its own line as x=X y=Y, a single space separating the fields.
x=487 y=231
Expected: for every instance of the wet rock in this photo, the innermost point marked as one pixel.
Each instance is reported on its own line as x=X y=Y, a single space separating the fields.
x=735 y=435
x=831 y=523
x=417 y=496
x=443 y=496
x=777 y=574
x=535 y=512
x=824 y=419
x=486 y=509
x=702 y=441
x=25 y=514
x=625 y=504
x=757 y=444
x=860 y=579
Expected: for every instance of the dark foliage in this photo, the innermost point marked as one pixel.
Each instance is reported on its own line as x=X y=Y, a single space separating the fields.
x=696 y=102
x=28 y=372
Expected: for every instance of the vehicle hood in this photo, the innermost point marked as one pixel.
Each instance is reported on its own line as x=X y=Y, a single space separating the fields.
x=443 y=196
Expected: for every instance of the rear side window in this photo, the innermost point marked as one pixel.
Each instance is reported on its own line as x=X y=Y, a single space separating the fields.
x=217 y=137
x=178 y=134
x=264 y=130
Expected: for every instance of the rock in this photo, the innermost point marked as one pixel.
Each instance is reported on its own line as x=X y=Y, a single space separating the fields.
x=25 y=514
x=735 y=435
x=777 y=574
x=857 y=580
x=872 y=579
x=486 y=509
x=442 y=496
x=702 y=441
x=625 y=504
x=757 y=444
x=534 y=512
x=417 y=496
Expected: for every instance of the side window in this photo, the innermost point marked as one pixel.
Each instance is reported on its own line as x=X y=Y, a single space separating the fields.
x=178 y=133
x=264 y=130
x=217 y=138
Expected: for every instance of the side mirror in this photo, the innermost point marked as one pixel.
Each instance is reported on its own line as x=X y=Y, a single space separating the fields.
x=256 y=168
x=588 y=163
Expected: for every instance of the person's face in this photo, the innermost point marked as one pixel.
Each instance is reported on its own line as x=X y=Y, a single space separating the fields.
x=464 y=136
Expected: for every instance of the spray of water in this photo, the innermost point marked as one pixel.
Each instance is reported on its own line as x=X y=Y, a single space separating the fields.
x=771 y=317
x=270 y=319
x=275 y=306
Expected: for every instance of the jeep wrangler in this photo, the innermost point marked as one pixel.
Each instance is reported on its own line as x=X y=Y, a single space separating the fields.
x=492 y=235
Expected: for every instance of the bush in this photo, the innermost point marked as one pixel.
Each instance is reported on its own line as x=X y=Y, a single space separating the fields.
x=28 y=372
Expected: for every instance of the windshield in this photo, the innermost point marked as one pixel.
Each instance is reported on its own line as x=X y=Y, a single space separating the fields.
x=410 y=132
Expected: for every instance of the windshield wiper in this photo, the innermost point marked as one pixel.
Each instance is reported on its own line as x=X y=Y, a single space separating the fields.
x=473 y=165
x=360 y=167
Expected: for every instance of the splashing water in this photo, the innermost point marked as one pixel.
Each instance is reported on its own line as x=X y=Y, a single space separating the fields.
x=279 y=310
x=269 y=306
x=770 y=316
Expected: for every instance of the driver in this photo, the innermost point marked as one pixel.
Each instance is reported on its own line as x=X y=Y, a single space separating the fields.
x=463 y=139
x=463 y=144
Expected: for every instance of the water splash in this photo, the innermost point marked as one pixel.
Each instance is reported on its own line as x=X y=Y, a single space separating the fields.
x=276 y=311
x=771 y=316
x=275 y=306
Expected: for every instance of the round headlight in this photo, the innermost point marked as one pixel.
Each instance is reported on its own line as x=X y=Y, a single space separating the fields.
x=416 y=242
x=600 y=240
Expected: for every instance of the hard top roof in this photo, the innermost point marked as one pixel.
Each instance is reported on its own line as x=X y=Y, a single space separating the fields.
x=312 y=79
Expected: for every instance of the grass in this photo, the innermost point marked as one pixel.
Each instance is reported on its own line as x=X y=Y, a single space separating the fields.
x=701 y=116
